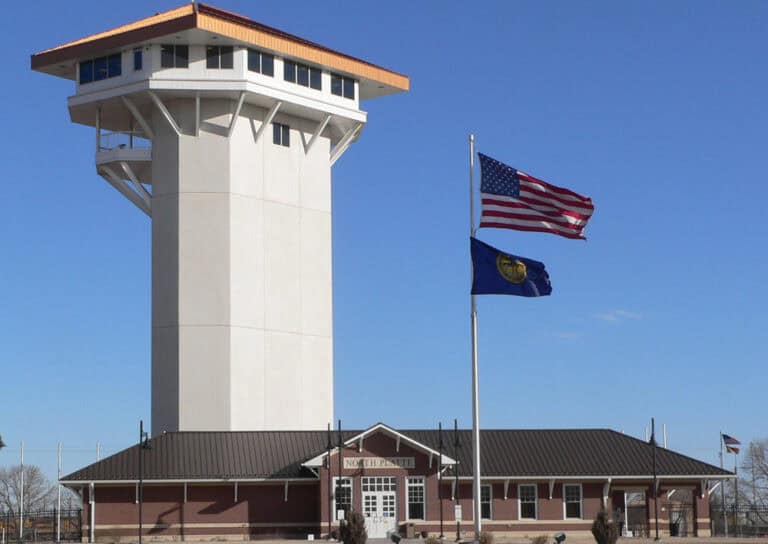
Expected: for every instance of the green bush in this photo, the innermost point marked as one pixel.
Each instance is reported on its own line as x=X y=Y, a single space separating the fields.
x=432 y=540
x=604 y=529
x=541 y=539
x=352 y=531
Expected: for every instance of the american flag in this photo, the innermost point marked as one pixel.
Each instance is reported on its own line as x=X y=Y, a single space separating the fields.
x=512 y=199
x=730 y=444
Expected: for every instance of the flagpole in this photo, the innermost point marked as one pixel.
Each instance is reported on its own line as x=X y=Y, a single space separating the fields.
x=655 y=480
x=736 y=494
x=475 y=379
x=722 y=488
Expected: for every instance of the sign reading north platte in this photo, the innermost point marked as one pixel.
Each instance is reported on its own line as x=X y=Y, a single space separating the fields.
x=379 y=462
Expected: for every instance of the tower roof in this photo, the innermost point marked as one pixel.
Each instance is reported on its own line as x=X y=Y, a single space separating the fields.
x=200 y=21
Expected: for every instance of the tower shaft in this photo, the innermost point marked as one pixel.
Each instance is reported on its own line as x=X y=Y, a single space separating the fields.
x=241 y=272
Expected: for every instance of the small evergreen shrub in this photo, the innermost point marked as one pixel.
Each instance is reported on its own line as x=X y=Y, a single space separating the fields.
x=604 y=529
x=486 y=537
x=432 y=540
x=352 y=531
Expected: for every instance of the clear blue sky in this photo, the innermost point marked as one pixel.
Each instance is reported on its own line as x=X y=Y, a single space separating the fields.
x=654 y=109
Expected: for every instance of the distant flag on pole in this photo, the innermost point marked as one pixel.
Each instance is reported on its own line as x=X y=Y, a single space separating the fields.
x=512 y=199
x=498 y=273
x=730 y=443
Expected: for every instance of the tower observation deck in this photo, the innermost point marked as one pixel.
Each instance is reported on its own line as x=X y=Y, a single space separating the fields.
x=224 y=131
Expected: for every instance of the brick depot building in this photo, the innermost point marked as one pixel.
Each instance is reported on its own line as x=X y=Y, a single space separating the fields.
x=241 y=485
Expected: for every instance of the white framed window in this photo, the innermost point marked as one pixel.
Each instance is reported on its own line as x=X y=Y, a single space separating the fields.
x=379 y=483
x=527 y=499
x=415 y=488
x=342 y=496
x=572 y=501
x=486 y=501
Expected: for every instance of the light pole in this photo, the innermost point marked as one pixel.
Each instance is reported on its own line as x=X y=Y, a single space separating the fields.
x=144 y=444
x=2 y=445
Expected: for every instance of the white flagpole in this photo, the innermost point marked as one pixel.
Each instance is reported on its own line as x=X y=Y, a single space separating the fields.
x=475 y=380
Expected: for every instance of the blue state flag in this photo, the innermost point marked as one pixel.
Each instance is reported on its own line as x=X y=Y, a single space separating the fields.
x=499 y=273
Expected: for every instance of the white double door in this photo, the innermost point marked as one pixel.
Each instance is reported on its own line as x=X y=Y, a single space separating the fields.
x=379 y=504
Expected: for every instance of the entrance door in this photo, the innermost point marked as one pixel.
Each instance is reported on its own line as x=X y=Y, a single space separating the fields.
x=379 y=504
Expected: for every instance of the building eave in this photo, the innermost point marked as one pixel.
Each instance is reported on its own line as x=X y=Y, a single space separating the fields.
x=59 y=60
x=76 y=483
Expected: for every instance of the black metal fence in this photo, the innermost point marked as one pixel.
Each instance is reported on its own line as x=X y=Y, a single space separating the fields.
x=40 y=526
x=744 y=520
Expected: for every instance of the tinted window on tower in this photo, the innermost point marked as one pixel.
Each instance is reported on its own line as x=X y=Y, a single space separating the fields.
x=114 y=65
x=219 y=56
x=86 y=71
x=174 y=56
x=262 y=63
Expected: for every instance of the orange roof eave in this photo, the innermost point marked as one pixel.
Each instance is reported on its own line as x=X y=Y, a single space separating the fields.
x=219 y=22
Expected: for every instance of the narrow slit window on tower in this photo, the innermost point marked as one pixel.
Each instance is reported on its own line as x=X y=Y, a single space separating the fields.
x=219 y=56
x=260 y=62
x=303 y=75
x=174 y=56
x=281 y=134
x=343 y=86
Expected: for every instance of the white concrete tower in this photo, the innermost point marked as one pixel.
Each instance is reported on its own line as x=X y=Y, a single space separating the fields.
x=224 y=132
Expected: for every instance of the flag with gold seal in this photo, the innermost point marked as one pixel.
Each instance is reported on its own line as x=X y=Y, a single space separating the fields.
x=499 y=273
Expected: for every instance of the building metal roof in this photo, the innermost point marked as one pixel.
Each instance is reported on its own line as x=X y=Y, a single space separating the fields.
x=278 y=455
x=208 y=19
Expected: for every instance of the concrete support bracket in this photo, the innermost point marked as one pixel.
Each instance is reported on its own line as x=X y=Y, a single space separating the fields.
x=319 y=130
x=345 y=142
x=236 y=114
x=165 y=112
x=267 y=120
x=142 y=192
x=139 y=117
x=124 y=189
